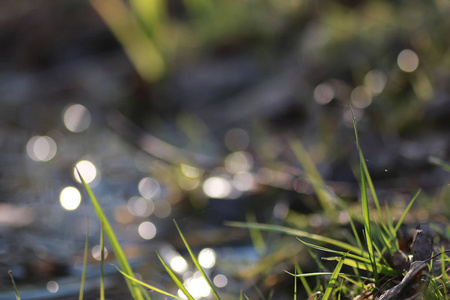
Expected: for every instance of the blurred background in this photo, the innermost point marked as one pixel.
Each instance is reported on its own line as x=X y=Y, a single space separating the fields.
x=188 y=110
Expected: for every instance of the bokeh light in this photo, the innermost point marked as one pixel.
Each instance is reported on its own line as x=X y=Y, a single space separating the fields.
x=76 y=118
x=41 y=148
x=163 y=209
x=207 y=258
x=147 y=230
x=237 y=162
x=244 y=181
x=217 y=187
x=237 y=139
x=375 y=81
x=52 y=287
x=96 y=252
x=178 y=264
x=408 y=61
x=87 y=169
x=361 y=97
x=196 y=286
x=140 y=207
x=323 y=93
x=149 y=188
x=70 y=198
x=220 y=280
x=190 y=171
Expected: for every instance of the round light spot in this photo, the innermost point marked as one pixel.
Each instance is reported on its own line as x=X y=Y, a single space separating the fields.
x=76 y=117
x=238 y=162
x=237 y=139
x=217 y=187
x=375 y=81
x=147 y=230
x=52 y=287
x=163 y=209
x=140 y=207
x=41 y=148
x=207 y=258
x=220 y=280
x=408 y=61
x=190 y=171
x=244 y=181
x=361 y=97
x=87 y=169
x=149 y=188
x=197 y=286
x=96 y=252
x=323 y=93
x=70 y=198
x=178 y=264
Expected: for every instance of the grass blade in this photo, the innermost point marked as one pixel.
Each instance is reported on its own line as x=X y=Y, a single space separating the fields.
x=14 y=285
x=326 y=200
x=406 y=211
x=194 y=259
x=439 y=162
x=148 y=285
x=305 y=284
x=365 y=203
x=102 y=262
x=142 y=51
x=333 y=279
x=122 y=260
x=83 y=274
x=295 y=283
x=175 y=278
x=298 y=233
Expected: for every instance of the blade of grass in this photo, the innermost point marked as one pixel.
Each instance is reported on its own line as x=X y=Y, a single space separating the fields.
x=406 y=210
x=148 y=285
x=83 y=274
x=303 y=280
x=333 y=279
x=385 y=269
x=175 y=279
x=355 y=233
x=120 y=255
x=255 y=235
x=298 y=233
x=365 y=203
x=295 y=283
x=326 y=200
x=439 y=162
x=142 y=51
x=196 y=263
x=14 y=285
x=102 y=262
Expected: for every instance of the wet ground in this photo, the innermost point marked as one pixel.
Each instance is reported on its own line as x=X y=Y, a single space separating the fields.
x=205 y=145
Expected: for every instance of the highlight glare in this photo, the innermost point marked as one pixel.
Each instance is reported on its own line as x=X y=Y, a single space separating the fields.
x=87 y=170
x=220 y=280
x=96 y=252
x=207 y=258
x=149 y=188
x=76 y=118
x=217 y=187
x=52 y=287
x=178 y=264
x=70 y=198
x=323 y=93
x=408 y=61
x=147 y=230
x=41 y=148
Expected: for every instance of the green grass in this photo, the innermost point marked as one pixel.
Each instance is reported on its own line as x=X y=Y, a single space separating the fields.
x=14 y=285
x=85 y=257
